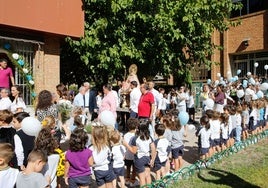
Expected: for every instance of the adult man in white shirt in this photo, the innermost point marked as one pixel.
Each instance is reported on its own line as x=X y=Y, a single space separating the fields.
x=79 y=99
x=5 y=102
x=135 y=95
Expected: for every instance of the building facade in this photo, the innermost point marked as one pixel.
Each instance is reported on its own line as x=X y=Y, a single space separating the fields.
x=243 y=45
x=35 y=30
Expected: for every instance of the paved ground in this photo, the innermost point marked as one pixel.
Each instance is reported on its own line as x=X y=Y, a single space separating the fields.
x=190 y=146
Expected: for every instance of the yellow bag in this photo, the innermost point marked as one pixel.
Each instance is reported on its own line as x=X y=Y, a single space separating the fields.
x=60 y=168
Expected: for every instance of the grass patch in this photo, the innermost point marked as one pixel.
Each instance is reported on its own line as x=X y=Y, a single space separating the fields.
x=247 y=168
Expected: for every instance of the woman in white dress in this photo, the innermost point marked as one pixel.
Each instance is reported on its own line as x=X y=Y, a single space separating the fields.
x=18 y=104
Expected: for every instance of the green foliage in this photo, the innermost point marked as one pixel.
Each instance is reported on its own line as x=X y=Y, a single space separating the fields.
x=165 y=36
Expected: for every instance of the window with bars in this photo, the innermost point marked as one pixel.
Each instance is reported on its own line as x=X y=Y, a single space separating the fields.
x=26 y=51
x=246 y=63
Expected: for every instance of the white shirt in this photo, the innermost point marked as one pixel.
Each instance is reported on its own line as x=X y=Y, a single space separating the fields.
x=5 y=103
x=17 y=103
x=161 y=149
x=254 y=114
x=18 y=150
x=87 y=98
x=135 y=95
x=118 y=152
x=190 y=102
x=215 y=129
x=50 y=169
x=205 y=135
x=156 y=96
x=224 y=131
x=128 y=137
x=163 y=104
x=143 y=147
x=238 y=120
x=8 y=177
x=79 y=100
x=98 y=100
x=100 y=158
x=233 y=118
x=182 y=97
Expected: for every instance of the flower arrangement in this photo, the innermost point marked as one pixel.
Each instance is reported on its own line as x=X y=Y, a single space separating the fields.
x=23 y=68
x=65 y=108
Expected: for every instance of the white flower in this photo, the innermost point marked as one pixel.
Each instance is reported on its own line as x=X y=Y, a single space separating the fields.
x=25 y=70
x=15 y=56
x=31 y=82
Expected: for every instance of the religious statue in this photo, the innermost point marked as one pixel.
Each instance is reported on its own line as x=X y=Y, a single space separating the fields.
x=125 y=91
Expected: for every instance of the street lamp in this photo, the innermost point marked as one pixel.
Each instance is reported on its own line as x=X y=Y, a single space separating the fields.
x=256 y=64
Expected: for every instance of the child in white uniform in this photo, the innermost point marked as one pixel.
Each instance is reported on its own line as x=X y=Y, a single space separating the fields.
x=144 y=149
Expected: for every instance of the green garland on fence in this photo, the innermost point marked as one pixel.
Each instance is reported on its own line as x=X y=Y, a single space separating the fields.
x=188 y=171
x=22 y=67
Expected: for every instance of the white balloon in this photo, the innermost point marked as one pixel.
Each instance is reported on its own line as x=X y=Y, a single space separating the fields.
x=191 y=127
x=240 y=93
x=15 y=56
x=218 y=74
x=248 y=73
x=264 y=86
x=254 y=97
x=216 y=82
x=31 y=126
x=209 y=103
x=252 y=81
x=107 y=118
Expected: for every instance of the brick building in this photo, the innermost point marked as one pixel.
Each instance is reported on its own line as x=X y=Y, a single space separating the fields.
x=35 y=30
x=243 y=45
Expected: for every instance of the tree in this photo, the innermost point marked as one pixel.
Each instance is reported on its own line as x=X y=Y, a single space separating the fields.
x=165 y=36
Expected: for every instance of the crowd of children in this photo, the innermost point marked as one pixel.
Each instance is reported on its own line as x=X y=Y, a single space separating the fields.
x=219 y=131
x=116 y=159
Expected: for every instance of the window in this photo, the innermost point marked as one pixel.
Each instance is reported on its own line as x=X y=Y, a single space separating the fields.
x=246 y=63
x=249 y=6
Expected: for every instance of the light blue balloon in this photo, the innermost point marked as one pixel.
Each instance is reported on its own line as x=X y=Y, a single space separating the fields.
x=28 y=77
x=183 y=117
x=245 y=85
x=236 y=78
x=33 y=94
x=252 y=81
x=209 y=81
x=245 y=82
x=20 y=62
x=238 y=72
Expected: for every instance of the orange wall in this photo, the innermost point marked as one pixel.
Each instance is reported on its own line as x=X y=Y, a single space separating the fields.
x=252 y=26
x=64 y=17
